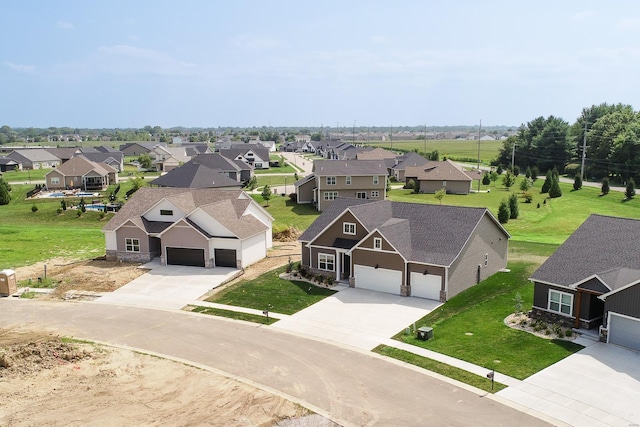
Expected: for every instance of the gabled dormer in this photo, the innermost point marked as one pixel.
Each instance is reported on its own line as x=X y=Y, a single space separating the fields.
x=164 y=211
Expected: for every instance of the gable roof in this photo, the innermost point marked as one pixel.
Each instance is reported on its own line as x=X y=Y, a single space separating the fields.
x=34 y=155
x=219 y=162
x=602 y=246
x=187 y=200
x=242 y=149
x=424 y=233
x=195 y=175
x=349 y=167
x=410 y=159
x=376 y=154
x=437 y=171
x=80 y=166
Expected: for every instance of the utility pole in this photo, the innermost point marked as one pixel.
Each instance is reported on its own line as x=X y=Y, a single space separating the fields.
x=391 y=135
x=425 y=139
x=353 y=133
x=513 y=155
x=584 y=151
x=479 y=133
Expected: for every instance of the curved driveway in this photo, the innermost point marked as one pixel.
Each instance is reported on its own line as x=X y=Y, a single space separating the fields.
x=351 y=387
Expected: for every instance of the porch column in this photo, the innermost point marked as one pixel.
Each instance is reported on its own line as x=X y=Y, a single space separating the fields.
x=576 y=323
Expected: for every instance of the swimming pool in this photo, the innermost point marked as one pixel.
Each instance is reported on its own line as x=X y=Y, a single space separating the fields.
x=82 y=194
x=95 y=207
x=56 y=194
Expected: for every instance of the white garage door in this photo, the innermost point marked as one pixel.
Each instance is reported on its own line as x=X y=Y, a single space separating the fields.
x=377 y=279
x=624 y=331
x=426 y=286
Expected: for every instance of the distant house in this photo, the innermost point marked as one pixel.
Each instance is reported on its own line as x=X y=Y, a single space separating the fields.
x=255 y=155
x=410 y=159
x=79 y=172
x=204 y=228
x=138 y=148
x=593 y=280
x=34 y=158
x=358 y=179
x=8 y=164
x=269 y=145
x=376 y=154
x=434 y=176
x=207 y=171
x=115 y=159
x=409 y=249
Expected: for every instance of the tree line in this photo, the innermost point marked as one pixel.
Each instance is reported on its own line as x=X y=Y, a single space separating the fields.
x=608 y=135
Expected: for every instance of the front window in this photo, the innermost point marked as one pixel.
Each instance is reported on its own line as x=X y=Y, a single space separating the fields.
x=132 y=245
x=258 y=165
x=560 y=302
x=349 y=228
x=361 y=195
x=444 y=183
x=376 y=179
x=331 y=180
x=377 y=243
x=486 y=260
x=55 y=180
x=326 y=262
x=348 y=180
x=330 y=195
x=166 y=212
x=375 y=194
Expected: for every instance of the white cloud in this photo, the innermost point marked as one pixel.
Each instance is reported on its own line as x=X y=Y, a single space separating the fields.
x=583 y=15
x=22 y=68
x=64 y=25
x=248 y=41
x=628 y=24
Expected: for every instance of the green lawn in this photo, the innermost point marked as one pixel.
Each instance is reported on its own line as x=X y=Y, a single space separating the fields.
x=470 y=327
x=455 y=150
x=247 y=317
x=25 y=175
x=552 y=222
x=269 y=292
x=287 y=213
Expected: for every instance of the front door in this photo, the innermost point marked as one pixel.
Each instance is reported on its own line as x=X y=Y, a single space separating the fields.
x=346 y=266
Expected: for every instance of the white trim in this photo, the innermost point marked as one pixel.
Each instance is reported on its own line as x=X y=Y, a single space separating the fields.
x=332 y=178
x=347 y=180
x=347 y=227
x=377 y=243
x=131 y=242
x=375 y=194
x=361 y=194
x=333 y=193
x=560 y=303
x=330 y=258
x=376 y=179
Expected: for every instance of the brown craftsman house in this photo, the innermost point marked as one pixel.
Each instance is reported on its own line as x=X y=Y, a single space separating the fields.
x=593 y=280
x=433 y=176
x=358 y=179
x=409 y=249
x=80 y=172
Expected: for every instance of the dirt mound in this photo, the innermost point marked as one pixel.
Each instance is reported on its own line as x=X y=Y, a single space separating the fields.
x=288 y=235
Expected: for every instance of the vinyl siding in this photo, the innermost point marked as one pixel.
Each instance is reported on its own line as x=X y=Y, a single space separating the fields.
x=335 y=230
x=625 y=302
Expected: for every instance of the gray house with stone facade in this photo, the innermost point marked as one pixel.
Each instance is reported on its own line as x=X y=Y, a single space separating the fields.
x=409 y=249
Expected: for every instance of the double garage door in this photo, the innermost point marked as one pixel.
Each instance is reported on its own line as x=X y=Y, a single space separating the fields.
x=624 y=331
x=377 y=279
x=195 y=257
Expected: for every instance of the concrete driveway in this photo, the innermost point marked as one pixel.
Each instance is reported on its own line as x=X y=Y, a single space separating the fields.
x=357 y=317
x=598 y=386
x=168 y=286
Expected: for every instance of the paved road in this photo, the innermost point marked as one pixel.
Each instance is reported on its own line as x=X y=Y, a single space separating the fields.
x=350 y=387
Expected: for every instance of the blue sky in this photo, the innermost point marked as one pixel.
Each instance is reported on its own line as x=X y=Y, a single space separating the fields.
x=295 y=63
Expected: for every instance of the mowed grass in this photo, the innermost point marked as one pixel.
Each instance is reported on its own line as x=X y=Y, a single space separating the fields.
x=470 y=326
x=286 y=213
x=452 y=149
x=269 y=292
x=552 y=222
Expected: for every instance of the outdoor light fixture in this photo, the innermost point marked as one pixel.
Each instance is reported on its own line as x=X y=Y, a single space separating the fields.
x=376 y=266
x=425 y=272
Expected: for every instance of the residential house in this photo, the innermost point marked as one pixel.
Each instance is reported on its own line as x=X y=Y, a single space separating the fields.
x=399 y=168
x=115 y=159
x=34 y=158
x=197 y=175
x=409 y=249
x=138 y=148
x=358 y=179
x=79 y=172
x=255 y=155
x=435 y=175
x=165 y=159
x=593 y=280
x=7 y=164
x=376 y=154
x=269 y=145
x=195 y=227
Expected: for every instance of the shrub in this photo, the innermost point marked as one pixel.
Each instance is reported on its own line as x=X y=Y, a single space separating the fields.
x=79 y=213
x=605 y=186
x=554 y=190
x=517 y=303
x=34 y=208
x=630 y=189
x=302 y=271
x=59 y=211
x=102 y=214
x=503 y=212
x=63 y=205
x=572 y=169
x=293 y=197
x=528 y=198
x=513 y=206
x=577 y=183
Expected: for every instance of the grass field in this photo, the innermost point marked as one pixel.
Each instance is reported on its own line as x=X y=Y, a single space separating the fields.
x=462 y=150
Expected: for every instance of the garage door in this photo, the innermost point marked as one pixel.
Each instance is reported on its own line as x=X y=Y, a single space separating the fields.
x=426 y=286
x=624 y=331
x=225 y=258
x=185 y=256
x=377 y=279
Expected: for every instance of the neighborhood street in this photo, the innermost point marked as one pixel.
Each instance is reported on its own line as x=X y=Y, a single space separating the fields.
x=350 y=387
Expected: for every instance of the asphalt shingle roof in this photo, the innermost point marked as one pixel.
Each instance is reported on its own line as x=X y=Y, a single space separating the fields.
x=195 y=175
x=431 y=234
x=349 y=167
x=603 y=245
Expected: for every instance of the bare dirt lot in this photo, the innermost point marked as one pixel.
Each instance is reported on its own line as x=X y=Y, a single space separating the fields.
x=45 y=381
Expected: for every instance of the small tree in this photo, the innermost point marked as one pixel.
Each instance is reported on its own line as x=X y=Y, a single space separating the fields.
x=5 y=197
x=554 y=190
x=513 y=206
x=145 y=161
x=605 y=186
x=525 y=185
x=499 y=170
x=493 y=176
x=266 y=194
x=547 y=182
x=534 y=173
x=630 y=189
x=508 y=179
x=81 y=205
x=527 y=173
x=34 y=208
x=485 y=179
x=577 y=182
x=439 y=195
x=63 y=205
x=503 y=212
x=516 y=170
